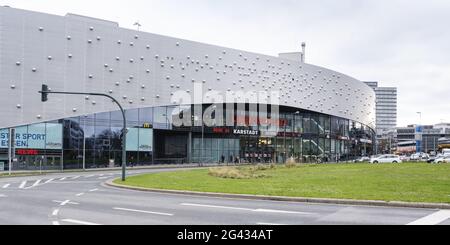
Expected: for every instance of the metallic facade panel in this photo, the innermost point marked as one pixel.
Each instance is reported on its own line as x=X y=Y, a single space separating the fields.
x=80 y=54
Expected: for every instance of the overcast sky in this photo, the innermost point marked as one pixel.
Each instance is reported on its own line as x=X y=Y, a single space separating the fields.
x=401 y=43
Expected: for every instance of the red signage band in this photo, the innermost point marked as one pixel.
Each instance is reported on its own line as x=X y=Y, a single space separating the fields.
x=27 y=152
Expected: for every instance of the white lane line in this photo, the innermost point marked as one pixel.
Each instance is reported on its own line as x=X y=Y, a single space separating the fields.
x=103 y=178
x=6 y=186
x=48 y=181
x=269 y=224
x=433 y=219
x=142 y=211
x=79 y=194
x=62 y=179
x=64 y=203
x=76 y=177
x=1 y=195
x=34 y=185
x=78 y=222
x=55 y=223
x=55 y=212
x=213 y=206
x=248 y=209
x=22 y=185
x=101 y=175
x=89 y=176
x=280 y=211
x=93 y=190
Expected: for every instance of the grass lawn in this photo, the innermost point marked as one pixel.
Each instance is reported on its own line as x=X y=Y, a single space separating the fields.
x=408 y=182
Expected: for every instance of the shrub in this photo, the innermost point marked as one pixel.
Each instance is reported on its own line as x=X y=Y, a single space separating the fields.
x=226 y=173
x=291 y=163
x=235 y=173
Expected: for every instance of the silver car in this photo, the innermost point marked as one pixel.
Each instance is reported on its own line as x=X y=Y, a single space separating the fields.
x=386 y=159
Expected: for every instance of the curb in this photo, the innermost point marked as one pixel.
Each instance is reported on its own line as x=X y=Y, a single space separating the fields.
x=289 y=199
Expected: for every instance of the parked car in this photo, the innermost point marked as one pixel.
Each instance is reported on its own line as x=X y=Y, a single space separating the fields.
x=433 y=158
x=443 y=159
x=362 y=159
x=419 y=156
x=386 y=159
x=404 y=158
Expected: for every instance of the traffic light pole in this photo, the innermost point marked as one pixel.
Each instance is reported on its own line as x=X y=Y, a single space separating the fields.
x=44 y=93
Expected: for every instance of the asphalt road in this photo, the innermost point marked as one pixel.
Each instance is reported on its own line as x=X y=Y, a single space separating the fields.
x=82 y=199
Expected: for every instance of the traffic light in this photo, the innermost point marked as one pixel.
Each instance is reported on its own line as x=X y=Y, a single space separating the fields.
x=44 y=93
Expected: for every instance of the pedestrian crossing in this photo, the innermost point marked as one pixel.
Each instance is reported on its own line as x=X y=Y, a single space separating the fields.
x=30 y=184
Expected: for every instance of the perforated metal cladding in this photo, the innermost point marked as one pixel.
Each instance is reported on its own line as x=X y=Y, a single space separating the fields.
x=144 y=70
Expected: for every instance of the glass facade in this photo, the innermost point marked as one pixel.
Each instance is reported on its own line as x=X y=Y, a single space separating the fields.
x=94 y=141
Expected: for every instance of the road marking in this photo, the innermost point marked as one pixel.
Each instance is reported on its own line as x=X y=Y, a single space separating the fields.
x=6 y=186
x=93 y=190
x=48 y=181
x=248 y=209
x=64 y=178
x=142 y=211
x=79 y=194
x=22 y=185
x=1 y=195
x=64 y=203
x=433 y=219
x=89 y=176
x=212 y=206
x=269 y=224
x=55 y=212
x=101 y=175
x=36 y=183
x=55 y=223
x=79 y=222
x=76 y=177
x=103 y=178
x=280 y=211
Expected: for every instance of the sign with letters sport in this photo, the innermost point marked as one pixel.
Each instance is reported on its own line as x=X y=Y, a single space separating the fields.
x=37 y=136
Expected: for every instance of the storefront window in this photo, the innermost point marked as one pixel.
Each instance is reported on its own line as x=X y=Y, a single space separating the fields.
x=132 y=118
x=289 y=122
x=145 y=116
x=160 y=117
x=307 y=124
x=298 y=123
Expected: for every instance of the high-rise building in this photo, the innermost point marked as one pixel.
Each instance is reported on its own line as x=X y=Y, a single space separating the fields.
x=386 y=108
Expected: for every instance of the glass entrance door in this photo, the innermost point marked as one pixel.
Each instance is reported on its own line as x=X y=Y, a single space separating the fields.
x=257 y=150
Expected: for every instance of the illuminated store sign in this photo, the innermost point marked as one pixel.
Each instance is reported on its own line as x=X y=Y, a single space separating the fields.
x=246 y=132
x=27 y=152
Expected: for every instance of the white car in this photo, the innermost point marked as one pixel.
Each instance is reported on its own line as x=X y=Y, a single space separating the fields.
x=444 y=159
x=386 y=159
x=419 y=157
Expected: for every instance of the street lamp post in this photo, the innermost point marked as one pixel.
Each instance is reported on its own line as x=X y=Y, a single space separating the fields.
x=45 y=91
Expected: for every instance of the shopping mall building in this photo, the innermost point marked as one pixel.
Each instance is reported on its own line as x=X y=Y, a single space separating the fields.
x=255 y=108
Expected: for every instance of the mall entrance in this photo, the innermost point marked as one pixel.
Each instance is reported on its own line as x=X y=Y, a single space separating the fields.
x=255 y=149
